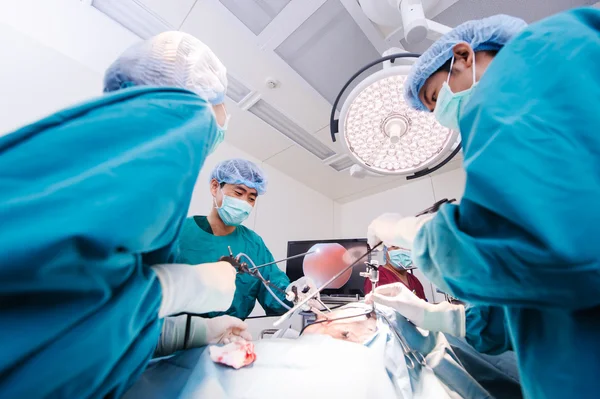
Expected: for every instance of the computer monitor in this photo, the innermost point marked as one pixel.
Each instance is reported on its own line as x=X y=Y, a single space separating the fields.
x=357 y=247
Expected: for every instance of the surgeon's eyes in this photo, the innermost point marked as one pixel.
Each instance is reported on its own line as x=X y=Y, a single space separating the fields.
x=238 y=193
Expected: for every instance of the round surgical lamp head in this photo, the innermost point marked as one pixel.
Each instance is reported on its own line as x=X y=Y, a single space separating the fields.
x=383 y=135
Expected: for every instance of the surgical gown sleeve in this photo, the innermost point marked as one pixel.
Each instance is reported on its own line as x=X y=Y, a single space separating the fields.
x=486 y=329
x=527 y=229
x=278 y=278
x=89 y=197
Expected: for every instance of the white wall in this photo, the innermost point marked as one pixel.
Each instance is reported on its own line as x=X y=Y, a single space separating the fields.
x=54 y=55
x=352 y=219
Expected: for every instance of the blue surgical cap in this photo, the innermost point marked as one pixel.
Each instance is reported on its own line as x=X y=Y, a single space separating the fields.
x=483 y=34
x=170 y=59
x=240 y=171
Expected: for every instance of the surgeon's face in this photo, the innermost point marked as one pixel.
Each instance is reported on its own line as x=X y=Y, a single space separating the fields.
x=461 y=77
x=238 y=191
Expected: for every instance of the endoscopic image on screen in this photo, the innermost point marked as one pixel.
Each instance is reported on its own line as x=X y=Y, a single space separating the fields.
x=325 y=259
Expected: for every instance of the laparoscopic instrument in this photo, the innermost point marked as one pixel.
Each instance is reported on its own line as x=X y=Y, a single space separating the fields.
x=311 y=295
x=242 y=267
x=372 y=271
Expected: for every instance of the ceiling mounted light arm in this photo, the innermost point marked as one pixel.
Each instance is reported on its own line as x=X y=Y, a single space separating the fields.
x=333 y=122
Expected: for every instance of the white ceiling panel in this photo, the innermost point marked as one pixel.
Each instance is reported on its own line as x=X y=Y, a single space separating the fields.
x=327 y=49
x=530 y=10
x=250 y=134
x=255 y=14
x=273 y=117
x=307 y=169
x=172 y=11
x=238 y=48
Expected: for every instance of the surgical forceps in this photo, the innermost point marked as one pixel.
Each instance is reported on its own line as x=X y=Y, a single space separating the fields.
x=412 y=357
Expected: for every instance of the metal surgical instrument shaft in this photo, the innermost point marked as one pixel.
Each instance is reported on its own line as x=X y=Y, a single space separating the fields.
x=289 y=313
x=283 y=260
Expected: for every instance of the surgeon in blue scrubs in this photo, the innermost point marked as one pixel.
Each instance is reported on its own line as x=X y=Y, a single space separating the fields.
x=236 y=186
x=92 y=200
x=523 y=244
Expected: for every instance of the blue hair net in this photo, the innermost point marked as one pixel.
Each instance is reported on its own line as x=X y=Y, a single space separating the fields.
x=170 y=59
x=483 y=34
x=240 y=171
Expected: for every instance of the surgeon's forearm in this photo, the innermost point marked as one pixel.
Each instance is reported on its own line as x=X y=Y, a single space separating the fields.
x=486 y=329
x=491 y=261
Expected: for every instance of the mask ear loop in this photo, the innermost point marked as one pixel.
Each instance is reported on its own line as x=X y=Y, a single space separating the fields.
x=474 y=69
x=222 y=196
x=450 y=73
x=452 y=64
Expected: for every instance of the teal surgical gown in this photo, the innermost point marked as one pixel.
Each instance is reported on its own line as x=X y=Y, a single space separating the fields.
x=198 y=245
x=89 y=197
x=524 y=243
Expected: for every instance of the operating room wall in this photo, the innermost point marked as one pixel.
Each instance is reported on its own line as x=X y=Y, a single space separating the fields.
x=54 y=53
x=352 y=219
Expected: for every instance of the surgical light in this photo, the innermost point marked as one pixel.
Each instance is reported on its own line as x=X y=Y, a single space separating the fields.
x=383 y=134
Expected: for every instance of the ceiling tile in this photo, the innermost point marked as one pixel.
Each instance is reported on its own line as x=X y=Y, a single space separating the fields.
x=252 y=135
x=172 y=11
x=301 y=165
x=255 y=14
x=239 y=50
x=530 y=11
x=327 y=49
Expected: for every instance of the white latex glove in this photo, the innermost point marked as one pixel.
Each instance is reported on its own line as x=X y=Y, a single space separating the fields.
x=208 y=287
x=396 y=231
x=444 y=317
x=225 y=329
x=219 y=330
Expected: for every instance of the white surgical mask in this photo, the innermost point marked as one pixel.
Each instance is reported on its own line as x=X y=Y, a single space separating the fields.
x=220 y=135
x=233 y=211
x=449 y=105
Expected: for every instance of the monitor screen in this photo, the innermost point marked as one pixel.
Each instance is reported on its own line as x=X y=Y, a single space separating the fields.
x=353 y=283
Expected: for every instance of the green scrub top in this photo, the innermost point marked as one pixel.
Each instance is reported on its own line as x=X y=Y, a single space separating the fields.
x=198 y=244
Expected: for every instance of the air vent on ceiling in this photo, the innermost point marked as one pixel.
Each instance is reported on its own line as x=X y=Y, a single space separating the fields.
x=327 y=49
x=255 y=14
x=133 y=15
x=236 y=89
x=341 y=164
x=284 y=125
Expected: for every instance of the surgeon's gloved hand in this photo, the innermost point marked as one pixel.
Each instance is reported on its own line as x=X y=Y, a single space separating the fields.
x=396 y=231
x=444 y=317
x=202 y=332
x=300 y=289
x=208 y=287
